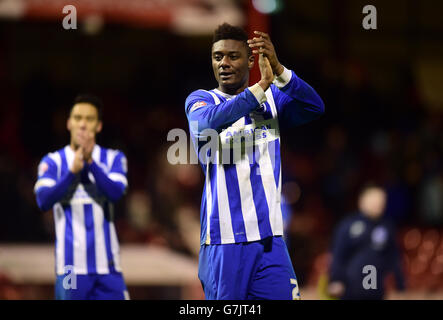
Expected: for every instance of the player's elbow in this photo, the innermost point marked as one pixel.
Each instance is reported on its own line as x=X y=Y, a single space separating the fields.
x=43 y=203
x=320 y=107
x=116 y=194
x=203 y=127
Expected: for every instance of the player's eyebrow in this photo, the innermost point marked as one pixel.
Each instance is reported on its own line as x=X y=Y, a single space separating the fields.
x=225 y=52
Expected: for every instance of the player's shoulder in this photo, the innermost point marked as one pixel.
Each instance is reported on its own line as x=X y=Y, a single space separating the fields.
x=200 y=94
x=111 y=151
x=348 y=220
x=53 y=156
x=197 y=99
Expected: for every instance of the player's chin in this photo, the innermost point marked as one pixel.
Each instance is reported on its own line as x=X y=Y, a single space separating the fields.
x=229 y=83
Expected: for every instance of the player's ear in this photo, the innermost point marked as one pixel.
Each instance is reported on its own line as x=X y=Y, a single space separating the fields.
x=99 y=127
x=251 y=60
x=68 y=124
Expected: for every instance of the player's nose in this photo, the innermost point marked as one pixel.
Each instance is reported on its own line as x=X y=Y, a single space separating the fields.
x=224 y=63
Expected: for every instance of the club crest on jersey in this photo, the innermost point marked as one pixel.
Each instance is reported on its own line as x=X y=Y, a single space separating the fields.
x=42 y=168
x=262 y=108
x=197 y=105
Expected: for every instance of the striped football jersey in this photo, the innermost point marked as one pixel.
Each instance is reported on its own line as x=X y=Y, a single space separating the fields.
x=241 y=200
x=86 y=238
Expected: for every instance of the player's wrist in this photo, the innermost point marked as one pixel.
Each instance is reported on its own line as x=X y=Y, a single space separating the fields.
x=264 y=84
x=278 y=70
x=75 y=170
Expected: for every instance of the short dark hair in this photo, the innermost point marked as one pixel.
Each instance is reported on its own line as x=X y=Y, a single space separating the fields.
x=91 y=99
x=370 y=185
x=226 y=31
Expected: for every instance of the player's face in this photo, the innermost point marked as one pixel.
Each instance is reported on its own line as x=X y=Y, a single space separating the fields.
x=372 y=202
x=231 y=65
x=83 y=119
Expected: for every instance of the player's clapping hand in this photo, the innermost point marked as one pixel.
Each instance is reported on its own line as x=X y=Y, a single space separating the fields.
x=87 y=145
x=78 y=163
x=262 y=44
x=266 y=72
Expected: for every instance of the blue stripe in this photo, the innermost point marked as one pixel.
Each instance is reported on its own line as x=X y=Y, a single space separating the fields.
x=90 y=238
x=215 y=220
x=203 y=217
x=238 y=224
x=52 y=168
x=107 y=233
x=259 y=196
x=64 y=163
x=69 y=250
x=268 y=114
x=274 y=153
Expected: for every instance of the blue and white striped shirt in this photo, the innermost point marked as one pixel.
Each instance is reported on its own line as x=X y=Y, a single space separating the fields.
x=241 y=200
x=86 y=238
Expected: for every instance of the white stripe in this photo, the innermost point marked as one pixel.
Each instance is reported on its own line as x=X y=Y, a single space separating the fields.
x=60 y=223
x=96 y=153
x=69 y=157
x=115 y=249
x=208 y=204
x=216 y=99
x=111 y=157
x=247 y=200
x=79 y=239
x=271 y=102
x=44 y=182
x=269 y=186
x=226 y=232
x=101 y=260
x=55 y=156
x=279 y=218
x=118 y=177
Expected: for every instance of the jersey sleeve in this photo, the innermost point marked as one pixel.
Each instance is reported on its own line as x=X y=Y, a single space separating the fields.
x=119 y=169
x=203 y=113
x=49 y=188
x=114 y=183
x=46 y=173
x=296 y=101
x=339 y=250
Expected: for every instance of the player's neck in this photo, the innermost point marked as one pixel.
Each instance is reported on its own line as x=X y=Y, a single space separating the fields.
x=73 y=146
x=233 y=91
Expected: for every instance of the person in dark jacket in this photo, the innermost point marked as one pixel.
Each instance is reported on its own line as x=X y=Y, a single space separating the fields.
x=364 y=251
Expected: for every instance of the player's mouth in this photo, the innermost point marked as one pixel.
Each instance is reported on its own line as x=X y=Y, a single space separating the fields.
x=224 y=75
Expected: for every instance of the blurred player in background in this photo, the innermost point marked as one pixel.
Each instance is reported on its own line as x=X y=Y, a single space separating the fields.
x=366 y=238
x=80 y=182
x=243 y=254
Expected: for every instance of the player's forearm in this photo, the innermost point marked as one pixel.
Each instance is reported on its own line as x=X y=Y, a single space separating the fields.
x=305 y=104
x=215 y=117
x=113 y=190
x=48 y=196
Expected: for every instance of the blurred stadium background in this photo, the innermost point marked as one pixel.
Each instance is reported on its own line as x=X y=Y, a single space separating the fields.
x=382 y=88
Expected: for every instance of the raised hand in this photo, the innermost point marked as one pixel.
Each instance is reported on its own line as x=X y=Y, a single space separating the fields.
x=87 y=145
x=266 y=72
x=262 y=44
x=79 y=162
